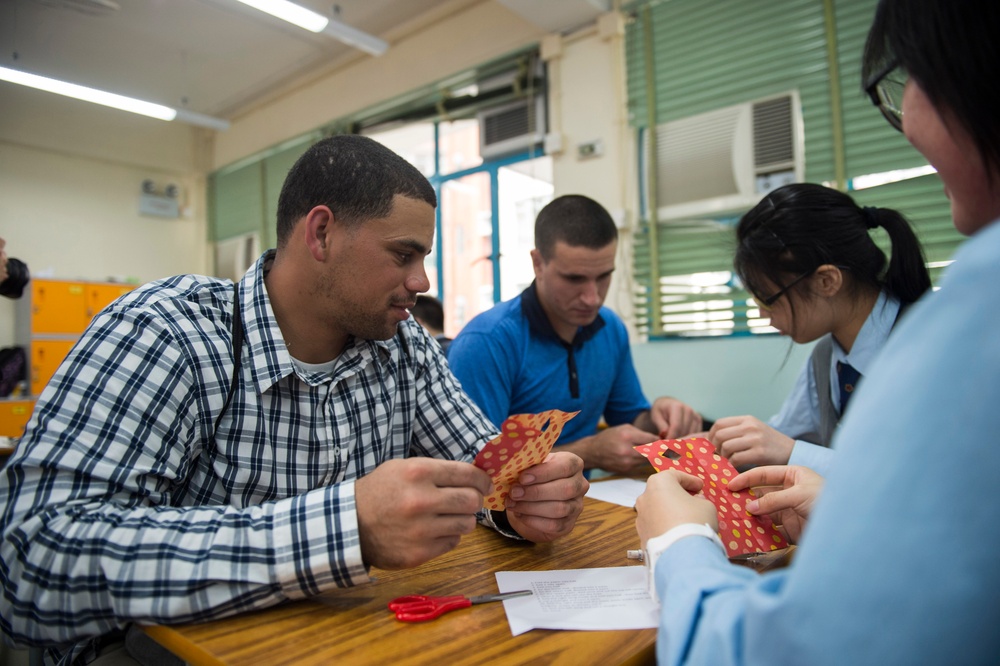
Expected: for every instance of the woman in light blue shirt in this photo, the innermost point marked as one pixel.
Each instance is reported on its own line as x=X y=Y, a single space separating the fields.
x=898 y=561
x=806 y=254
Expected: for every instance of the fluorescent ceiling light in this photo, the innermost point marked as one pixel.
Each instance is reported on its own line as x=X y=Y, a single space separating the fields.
x=110 y=99
x=313 y=22
x=291 y=12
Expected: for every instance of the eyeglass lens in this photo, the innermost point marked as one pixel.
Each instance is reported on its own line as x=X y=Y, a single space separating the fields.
x=890 y=96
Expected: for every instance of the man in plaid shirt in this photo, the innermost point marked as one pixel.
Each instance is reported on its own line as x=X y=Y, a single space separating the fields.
x=209 y=448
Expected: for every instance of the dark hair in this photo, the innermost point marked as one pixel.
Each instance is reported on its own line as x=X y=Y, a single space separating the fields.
x=950 y=48
x=356 y=177
x=575 y=220
x=797 y=228
x=429 y=309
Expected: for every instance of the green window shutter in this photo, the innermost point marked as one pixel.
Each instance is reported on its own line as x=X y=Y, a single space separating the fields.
x=870 y=144
x=276 y=167
x=706 y=56
x=237 y=201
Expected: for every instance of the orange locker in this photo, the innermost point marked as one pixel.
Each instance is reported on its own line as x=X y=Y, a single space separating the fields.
x=101 y=295
x=58 y=306
x=14 y=415
x=50 y=318
x=46 y=355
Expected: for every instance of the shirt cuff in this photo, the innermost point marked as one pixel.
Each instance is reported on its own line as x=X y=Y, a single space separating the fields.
x=497 y=520
x=815 y=457
x=657 y=545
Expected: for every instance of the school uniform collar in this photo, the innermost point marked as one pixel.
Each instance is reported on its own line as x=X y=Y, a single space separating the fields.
x=540 y=325
x=872 y=336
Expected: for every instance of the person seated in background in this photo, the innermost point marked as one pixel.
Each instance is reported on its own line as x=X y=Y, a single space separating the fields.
x=429 y=313
x=209 y=448
x=14 y=275
x=806 y=254
x=897 y=562
x=555 y=346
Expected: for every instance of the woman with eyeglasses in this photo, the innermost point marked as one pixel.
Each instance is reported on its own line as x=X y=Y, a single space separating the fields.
x=806 y=254
x=897 y=563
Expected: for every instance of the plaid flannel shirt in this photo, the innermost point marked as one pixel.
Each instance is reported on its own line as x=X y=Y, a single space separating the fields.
x=119 y=504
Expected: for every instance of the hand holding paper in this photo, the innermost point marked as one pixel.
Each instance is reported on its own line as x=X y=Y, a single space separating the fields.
x=740 y=531
x=524 y=441
x=541 y=491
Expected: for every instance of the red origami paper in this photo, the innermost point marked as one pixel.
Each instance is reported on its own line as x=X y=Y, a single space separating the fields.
x=524 y=441
x=741 y=531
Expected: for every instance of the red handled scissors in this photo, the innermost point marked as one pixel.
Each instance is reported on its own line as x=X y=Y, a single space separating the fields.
x=418 y=607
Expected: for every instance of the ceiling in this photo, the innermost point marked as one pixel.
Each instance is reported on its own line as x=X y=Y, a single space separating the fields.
x=216 y=57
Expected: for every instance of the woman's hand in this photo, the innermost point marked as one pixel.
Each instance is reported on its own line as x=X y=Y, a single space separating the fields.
x=668 y=502
x=785 y=493
x=746 y=440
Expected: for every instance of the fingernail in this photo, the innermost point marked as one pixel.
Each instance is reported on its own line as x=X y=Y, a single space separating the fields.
x=517 y=492
x=752 y=506
x=528 y=478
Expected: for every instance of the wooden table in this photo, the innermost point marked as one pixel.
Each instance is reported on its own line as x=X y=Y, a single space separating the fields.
x=353 y=625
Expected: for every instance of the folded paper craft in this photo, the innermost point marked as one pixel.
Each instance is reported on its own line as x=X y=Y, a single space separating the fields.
x=741 y=531
x=524 y=441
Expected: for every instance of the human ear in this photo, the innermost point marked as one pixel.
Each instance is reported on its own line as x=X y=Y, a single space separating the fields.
x=318 y=229
x=828 y=280
x=537 y=261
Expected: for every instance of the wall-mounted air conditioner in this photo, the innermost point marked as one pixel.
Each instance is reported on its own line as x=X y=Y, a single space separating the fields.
x=512 y=127
x=723 y=161
x=233 y=256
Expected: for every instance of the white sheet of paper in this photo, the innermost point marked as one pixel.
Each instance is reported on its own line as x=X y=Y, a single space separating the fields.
x=617 y=491
x=580 y=599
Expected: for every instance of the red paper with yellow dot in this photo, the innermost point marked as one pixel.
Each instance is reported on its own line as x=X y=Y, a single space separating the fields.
x=524 y=441
x=741 y=532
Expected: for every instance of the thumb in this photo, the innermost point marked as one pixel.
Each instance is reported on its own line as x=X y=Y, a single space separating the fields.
x=690 y=483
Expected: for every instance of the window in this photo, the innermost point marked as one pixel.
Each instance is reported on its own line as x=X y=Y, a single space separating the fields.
x=676 y=70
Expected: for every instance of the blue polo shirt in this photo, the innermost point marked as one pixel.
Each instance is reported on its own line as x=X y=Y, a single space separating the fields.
x=511 y=361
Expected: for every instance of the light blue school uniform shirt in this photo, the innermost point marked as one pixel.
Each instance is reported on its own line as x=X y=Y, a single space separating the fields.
x=800 y=413
x=898 y=564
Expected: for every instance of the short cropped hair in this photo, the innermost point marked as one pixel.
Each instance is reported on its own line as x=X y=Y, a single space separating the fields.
x=356 y=177
x=576 y=220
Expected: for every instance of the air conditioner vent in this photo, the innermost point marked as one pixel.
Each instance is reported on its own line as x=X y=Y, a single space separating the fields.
x=509 y=123
x=512 y=127
x=773 y=145
x=721 y=161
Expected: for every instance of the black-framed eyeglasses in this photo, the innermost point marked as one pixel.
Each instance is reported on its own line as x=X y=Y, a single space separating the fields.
x=768 y=303
x=886 y=92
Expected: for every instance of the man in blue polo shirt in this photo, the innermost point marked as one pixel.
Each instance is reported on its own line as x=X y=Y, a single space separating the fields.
x=556 y=347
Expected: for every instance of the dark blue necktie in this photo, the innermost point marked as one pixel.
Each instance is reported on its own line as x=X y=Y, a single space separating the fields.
x=848 y=378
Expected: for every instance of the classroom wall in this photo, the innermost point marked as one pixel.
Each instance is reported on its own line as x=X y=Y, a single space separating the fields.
x=70 y=183
x=722 y=376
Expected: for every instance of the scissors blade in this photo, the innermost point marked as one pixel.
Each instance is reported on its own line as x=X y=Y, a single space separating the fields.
x=499 y=597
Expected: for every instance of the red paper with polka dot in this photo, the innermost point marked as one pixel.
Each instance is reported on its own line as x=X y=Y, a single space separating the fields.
x=524 y=441
x=741 y=532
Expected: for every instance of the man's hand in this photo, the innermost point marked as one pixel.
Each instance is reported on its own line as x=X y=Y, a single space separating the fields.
x=746 y=440
x=670 y=418
x=611 y=450
x=789 y=507
x=667 y=502
x=412 y=510
x=548 y=497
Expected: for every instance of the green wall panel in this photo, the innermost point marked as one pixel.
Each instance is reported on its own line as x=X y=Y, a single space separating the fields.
x=237 y=202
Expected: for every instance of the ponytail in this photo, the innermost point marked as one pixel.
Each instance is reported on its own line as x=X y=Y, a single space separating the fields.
x=906 y=278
